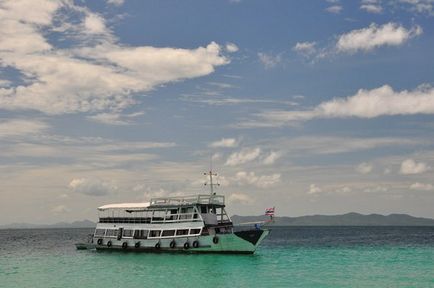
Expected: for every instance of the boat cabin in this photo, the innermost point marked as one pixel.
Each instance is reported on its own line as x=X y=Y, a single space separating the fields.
x=165 y=217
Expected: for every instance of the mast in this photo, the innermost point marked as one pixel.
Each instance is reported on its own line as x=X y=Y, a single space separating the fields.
x=211 y=184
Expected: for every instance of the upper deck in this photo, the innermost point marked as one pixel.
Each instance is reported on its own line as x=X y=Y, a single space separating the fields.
x=168 y=202
x=201 y=199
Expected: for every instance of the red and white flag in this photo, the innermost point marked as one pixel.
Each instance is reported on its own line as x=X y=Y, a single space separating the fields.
x=269 y=211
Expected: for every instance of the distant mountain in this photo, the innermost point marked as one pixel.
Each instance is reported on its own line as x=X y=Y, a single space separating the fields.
x=349 y=219
x=75 y=224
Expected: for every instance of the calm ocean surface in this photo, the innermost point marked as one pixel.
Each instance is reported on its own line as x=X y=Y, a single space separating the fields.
x=290 y=257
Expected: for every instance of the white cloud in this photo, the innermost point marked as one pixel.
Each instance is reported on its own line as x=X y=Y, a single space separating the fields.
x=422 y=187
x=94 y=24
x=116 y=2
x=344 y=190
x=240 y=198
x=364 y=168
x=231 y=47
x=376 y=189
x=313 y=189
x=244 y=156
x=336 y=9
x=114 y=118
x=374 y=36
x=251 y=178
x=92 y=187
x=5 y=83
x=371 y=7
x=409 y=166
x=305 y=48
x=382 y=101
x=224 y=143
x=269 y=60
x=271 y=158
x=96 y=73
x=19 y=127
x=60 y=209
x=419 y=6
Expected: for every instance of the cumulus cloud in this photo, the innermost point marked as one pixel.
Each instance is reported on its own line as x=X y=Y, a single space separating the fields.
x=335 y=9
x=374 y=36
x=240 y=198
x=305 y=48
x=224 y=143
x=371 y=6
x=419 y=6
x=421 y=186
x=114 y=118
x=231 y=47
x=364 y=168
x=116 y=2
x=382 y=101
x=92 y=187
x=60 y=209
x=21 y=127
x=271 y=158
x=263 y=181
x=96 y=72
x=410 y=166
x=244 y=156
x=376 y=189
x=268 y=60
x=313 y=189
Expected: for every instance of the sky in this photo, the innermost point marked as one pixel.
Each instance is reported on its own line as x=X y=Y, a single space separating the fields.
x=314 y=107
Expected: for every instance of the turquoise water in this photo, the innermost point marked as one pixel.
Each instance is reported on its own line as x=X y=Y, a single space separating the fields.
x=290 y=257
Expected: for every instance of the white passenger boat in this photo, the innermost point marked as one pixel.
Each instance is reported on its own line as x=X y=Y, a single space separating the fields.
x=193 y=224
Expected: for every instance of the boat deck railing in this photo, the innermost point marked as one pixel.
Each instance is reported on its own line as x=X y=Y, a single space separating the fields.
x=143 y=220
x=186 y=200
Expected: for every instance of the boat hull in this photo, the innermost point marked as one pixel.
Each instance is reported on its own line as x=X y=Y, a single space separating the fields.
x=242 y=242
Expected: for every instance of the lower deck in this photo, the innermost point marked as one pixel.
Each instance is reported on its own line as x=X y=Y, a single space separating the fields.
x=238 y=242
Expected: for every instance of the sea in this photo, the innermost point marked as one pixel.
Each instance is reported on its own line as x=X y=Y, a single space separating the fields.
x=289 y=257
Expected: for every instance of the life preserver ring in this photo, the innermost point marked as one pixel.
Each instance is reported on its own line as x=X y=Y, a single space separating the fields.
x=215 y=240
x=186 y=245
x=109 y=243
x=172 y=244
x=137 y=245
x=125 y=245
x=99 y=241
x=195 y=244
x=157 y=246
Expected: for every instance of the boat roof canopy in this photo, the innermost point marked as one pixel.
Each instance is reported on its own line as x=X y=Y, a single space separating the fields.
x=126 y=206
x=216 y=200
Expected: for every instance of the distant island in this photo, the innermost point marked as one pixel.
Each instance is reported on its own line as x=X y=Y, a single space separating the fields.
x=349 y=219
x=75 y=224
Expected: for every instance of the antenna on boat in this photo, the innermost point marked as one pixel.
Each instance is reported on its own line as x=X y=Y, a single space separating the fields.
x=211 y=184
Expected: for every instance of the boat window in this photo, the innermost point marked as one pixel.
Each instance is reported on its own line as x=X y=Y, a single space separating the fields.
x=111 y=232
x=167 y=233
x=128 y=233
x=141 y=234
x=159 y=215
x=99 y=232
x=187 y=210
x=194 y=231
x=203 y=209
x=154 y=233
x=180 y=232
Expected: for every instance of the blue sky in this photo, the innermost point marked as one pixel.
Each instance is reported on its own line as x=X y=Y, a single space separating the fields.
x=315 y=107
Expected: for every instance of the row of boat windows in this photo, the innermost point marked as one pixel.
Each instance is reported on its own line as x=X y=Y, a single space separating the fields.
x=155 y=216
x=144 y=234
